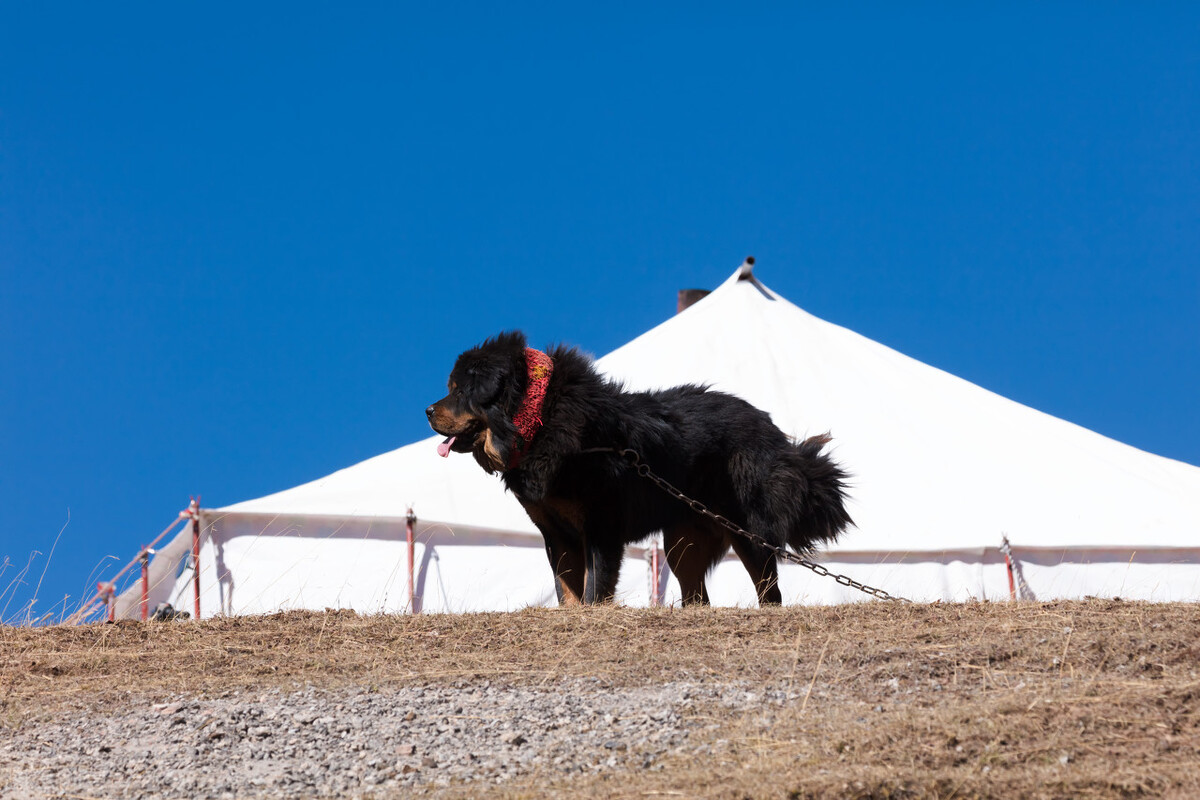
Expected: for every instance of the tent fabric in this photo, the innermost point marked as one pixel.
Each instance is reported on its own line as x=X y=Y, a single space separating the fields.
x=942 y=470
x=937 y=461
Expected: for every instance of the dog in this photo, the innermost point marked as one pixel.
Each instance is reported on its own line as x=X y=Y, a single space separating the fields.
x=553 y=428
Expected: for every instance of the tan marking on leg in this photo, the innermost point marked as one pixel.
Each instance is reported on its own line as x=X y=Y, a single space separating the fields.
x=566 y=566
x=569 y=596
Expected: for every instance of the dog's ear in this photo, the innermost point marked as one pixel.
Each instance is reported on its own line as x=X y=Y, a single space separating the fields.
x=516 y=377
x=501 y=432
x=494 y=457
x=503 y=377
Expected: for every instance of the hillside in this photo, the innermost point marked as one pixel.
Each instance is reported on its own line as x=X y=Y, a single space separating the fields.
x=1078 y=699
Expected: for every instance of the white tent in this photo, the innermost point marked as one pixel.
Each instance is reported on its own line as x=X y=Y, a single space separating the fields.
x=943 y=469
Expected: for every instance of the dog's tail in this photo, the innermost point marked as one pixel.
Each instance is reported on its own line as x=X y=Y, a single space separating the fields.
x=823 y=514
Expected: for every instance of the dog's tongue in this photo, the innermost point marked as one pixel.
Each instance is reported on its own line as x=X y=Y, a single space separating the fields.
x=444 y=447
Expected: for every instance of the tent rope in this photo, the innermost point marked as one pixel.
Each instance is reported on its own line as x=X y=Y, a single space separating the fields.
x=635 y=461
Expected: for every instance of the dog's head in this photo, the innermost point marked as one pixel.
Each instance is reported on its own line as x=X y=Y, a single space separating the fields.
x=484 y=391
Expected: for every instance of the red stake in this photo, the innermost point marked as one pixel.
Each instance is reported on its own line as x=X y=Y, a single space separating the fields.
x=145 y=558
x=194 y=510
x=107 y=593
x=1007 y=550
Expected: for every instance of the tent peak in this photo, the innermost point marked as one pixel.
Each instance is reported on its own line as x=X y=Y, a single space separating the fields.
x=746 y=273
x=746 y=270
x=688 y=297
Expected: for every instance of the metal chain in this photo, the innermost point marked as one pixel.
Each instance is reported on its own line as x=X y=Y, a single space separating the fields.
x=635 y=460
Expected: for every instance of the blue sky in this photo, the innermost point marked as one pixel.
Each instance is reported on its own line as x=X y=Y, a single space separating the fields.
x=240 y=246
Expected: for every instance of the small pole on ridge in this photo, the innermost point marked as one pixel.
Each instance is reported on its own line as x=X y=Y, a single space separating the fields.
x=410 y=527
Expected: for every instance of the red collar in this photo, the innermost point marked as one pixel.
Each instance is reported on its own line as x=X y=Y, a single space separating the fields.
x=528 y=419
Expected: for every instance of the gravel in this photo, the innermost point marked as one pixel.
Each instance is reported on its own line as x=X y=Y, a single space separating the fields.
x=354 y=743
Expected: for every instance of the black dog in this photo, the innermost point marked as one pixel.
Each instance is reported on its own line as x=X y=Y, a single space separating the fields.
x=551 y=425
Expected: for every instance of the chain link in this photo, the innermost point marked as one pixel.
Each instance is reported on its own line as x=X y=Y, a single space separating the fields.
x=635 y=460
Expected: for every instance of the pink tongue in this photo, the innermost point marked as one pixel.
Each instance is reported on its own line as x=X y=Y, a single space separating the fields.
x=444 y=447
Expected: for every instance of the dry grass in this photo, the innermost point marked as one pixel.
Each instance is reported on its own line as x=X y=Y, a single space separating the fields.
x=1074 y=699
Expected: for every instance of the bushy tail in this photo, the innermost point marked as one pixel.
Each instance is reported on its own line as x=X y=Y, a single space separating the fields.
x=823 y=515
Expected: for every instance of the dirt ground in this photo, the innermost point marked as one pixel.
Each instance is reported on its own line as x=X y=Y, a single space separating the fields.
x=1072 y=699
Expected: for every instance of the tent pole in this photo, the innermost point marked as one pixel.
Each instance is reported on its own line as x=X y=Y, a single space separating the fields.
x=411 y=520
x=90 y=606
x=1006 y=549
x=107 y=592
x=194 y=510
x=145 y=559
x=655 y=569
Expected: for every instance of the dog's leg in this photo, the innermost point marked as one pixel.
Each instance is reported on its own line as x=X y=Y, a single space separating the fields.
x=569 y=572
x=692 y=550
x=603 y=568
x=760 y=563
x=563 y=550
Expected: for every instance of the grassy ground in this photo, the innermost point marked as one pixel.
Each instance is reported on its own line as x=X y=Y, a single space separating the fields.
x=1077 y=699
